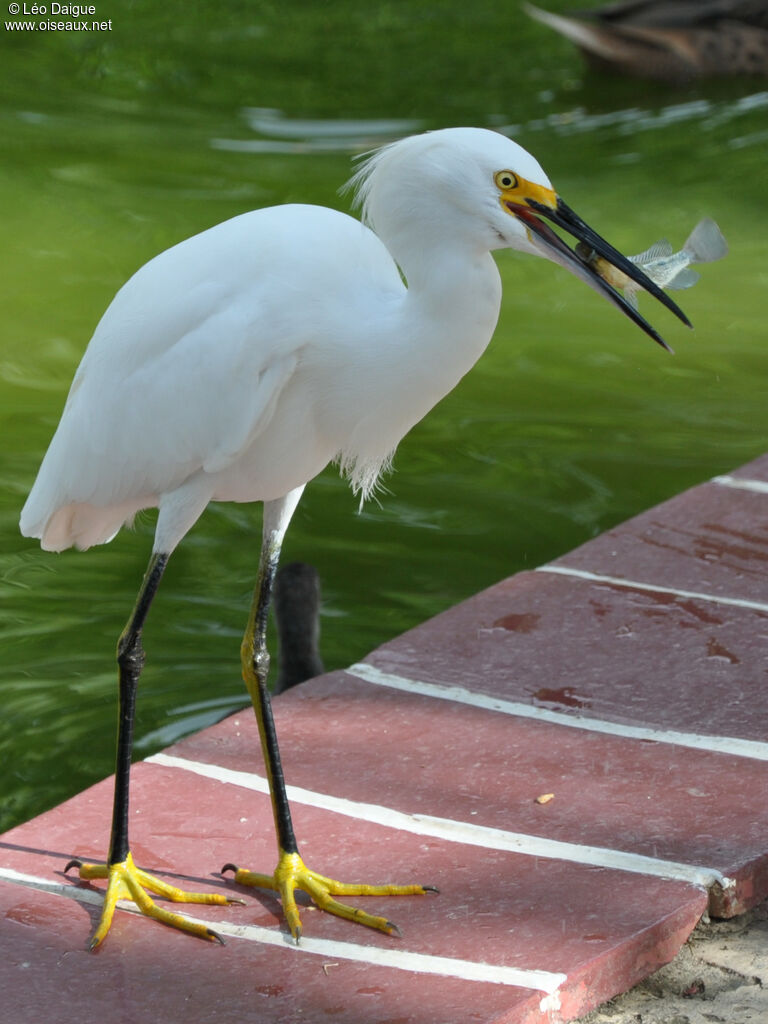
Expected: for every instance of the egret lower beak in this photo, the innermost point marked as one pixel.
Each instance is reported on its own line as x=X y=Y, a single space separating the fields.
x=557 y=250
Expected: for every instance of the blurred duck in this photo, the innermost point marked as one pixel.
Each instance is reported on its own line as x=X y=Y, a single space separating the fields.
x=669 y=40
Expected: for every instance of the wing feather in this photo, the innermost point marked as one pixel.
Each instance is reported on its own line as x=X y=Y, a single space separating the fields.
x=183 y=371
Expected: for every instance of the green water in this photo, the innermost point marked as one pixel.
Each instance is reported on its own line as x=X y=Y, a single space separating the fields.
x=119 y=145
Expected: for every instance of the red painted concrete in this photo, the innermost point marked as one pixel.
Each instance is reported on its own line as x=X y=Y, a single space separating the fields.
x=755 y=470
x=148 y=974
x=598 y=650
x=712 y=539
x=157 y=974
x=595 y=925
x=657 y=800
x=585 y=649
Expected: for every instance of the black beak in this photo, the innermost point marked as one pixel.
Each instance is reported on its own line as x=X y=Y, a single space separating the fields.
x=564 y=217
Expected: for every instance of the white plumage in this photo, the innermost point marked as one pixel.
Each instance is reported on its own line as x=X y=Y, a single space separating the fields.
x=236 y=365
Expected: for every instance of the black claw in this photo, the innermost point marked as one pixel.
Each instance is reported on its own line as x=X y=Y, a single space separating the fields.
x=74 y=863
x=430 y=888
x=216 y=936
x=229 y=867
x=394 y=930
x=234 y=899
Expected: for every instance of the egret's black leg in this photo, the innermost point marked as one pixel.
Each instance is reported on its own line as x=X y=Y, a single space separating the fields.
x=130 y=662
x=291 y=873
x=255 y=663
x=124 y=879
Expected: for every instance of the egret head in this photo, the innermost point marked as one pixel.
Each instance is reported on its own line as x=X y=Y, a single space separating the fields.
x=478 y=187
x=440 y=185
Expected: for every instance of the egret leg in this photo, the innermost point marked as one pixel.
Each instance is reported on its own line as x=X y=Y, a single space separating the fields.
x=291 y=873
x=124 y=879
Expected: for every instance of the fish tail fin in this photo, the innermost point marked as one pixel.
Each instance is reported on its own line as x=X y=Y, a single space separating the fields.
x=685 y=278
x=705 y=243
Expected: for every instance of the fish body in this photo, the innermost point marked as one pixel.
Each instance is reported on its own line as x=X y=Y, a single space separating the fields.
x=665 y=267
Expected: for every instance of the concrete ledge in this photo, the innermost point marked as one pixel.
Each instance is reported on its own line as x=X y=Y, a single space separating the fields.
x=626 y=679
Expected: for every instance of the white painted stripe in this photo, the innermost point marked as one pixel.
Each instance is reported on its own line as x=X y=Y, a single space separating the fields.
x=460 y=831
x=403 y=960
x=740 y=484
x=83 y=895
x=716 y=744
x=653 y=588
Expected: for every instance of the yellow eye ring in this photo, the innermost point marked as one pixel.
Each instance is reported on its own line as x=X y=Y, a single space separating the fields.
x=506 y=180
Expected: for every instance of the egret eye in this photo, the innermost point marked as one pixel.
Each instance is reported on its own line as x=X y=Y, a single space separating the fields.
x=506 y=180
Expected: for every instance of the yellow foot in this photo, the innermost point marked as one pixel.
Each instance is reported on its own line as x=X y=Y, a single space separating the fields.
x=127 y=882
x=291 y=873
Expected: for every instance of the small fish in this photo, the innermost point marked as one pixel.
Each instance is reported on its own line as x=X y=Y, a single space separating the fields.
x=665 y=268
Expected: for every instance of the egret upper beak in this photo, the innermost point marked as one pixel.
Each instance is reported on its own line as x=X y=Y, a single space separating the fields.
x=525 y=207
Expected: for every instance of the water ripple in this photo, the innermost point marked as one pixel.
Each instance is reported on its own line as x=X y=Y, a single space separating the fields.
x=282 y=135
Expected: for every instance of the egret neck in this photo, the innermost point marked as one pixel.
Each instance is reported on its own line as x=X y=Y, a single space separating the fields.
x=451 y=310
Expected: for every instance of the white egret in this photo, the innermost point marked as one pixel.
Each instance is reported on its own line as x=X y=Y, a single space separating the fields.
x=236 y=365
